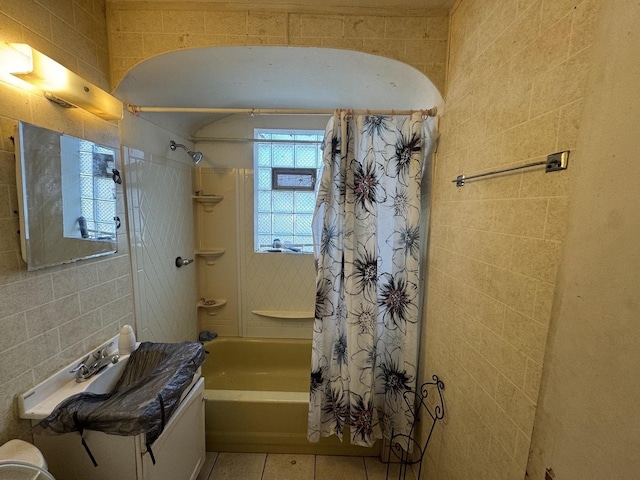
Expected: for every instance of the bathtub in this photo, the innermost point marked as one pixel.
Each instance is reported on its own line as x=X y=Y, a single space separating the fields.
x=257 y=398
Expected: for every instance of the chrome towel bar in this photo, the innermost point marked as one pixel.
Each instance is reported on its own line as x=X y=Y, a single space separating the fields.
x=553 y=163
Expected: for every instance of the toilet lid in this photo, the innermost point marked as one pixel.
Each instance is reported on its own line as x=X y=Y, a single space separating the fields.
x=23 y=471
x=21 y=451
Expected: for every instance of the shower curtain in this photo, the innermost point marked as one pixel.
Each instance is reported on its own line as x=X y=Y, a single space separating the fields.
x=367 y=246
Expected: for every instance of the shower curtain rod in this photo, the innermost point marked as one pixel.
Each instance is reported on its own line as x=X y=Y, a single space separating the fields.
x=135 y=109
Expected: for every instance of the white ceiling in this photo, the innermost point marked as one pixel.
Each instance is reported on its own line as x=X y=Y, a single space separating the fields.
x=271 y=77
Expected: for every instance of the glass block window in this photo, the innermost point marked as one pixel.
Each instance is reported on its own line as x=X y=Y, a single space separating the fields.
x=283 y=213
x=97 y=192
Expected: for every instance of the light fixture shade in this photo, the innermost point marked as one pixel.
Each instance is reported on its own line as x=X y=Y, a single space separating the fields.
x=58 y=83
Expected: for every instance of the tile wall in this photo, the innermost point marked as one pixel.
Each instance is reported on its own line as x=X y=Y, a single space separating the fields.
x=52 y=316
x=247 y=280
x=141 y=30
x=516 y=83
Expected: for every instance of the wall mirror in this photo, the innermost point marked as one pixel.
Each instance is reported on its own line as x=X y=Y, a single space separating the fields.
x=66 y=197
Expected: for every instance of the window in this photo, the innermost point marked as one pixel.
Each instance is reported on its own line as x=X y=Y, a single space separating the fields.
x=286 y=166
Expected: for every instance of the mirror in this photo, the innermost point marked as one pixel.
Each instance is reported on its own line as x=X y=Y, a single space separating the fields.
x=66 y=197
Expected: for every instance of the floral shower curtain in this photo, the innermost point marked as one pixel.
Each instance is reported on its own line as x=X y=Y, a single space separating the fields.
x=367 y=244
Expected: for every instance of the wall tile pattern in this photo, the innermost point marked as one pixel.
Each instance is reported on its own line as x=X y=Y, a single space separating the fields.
x=248 y=280
x=142 y=30
x=52 y=316
x=516 y=80
x=160 y=208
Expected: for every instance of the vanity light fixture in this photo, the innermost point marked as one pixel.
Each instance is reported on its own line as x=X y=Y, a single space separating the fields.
x=24 y=67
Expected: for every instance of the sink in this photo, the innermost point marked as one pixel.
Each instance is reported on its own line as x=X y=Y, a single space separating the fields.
x=38 y=402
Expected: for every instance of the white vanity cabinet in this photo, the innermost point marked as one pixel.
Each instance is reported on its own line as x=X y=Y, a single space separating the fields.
x=179 y=451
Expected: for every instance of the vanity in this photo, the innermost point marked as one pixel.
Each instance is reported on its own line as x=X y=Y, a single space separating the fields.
x=179 y=451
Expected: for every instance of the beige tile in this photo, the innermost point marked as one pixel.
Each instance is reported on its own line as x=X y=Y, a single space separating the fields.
x=112 y=268
x=585 y=17
x=521 y=32
x=491 y=313
x=187 y=21
x=522 y=449
x=75 y=279
x=525 y=217
x=157 y=43
x=511 y=288
x=425 y=51
x=225 y=23
x=11 y=30
x=361 y=26
x=14 y=331
x=339 y=468
x=410 y=27
x=527 y=335
x=13 y=362
x=492 y=248
x=266 y=23
x=503 y=464
x=98 y=296
x=394 y=50
x=541 y=184
x=502 y=427
x=544 y=302
x=550 y=48
x=557 y=216
x=536 y=258
x=321 y=25
x=140 y=21
x=477 y=214
x=23 y=295
x=52 y=314
x=506 y=358
x=116 y=310
x=532 y=379
x=31 y=15
x=480 y=369
x=494 y=24
x=125 y=44
x=562 y=84
x=289 y=467
x=438 y=27
x=569 y=127
x=536 y=137
x=520 y=408
x=74 y=331
x=234 y=466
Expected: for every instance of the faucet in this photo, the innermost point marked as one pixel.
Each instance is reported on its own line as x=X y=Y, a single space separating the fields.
x=84 y=372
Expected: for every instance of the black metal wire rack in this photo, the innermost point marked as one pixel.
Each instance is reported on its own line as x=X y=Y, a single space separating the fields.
x=404 y=449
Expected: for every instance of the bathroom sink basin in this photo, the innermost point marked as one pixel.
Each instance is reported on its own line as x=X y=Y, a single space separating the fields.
x=39 y=401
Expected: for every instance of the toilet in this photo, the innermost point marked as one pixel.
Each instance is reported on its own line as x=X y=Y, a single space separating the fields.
x=23 y=459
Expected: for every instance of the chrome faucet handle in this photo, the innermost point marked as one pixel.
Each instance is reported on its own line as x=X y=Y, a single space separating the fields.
x=82 y=367
x=102 y=353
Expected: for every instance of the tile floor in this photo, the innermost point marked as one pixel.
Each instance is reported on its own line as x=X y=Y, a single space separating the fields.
x=262 y=466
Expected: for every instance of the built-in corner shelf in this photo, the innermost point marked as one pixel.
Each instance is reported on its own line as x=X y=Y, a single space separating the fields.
x=210 y=256
x=208 y=201
x=285 y=314
x=211 y=304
